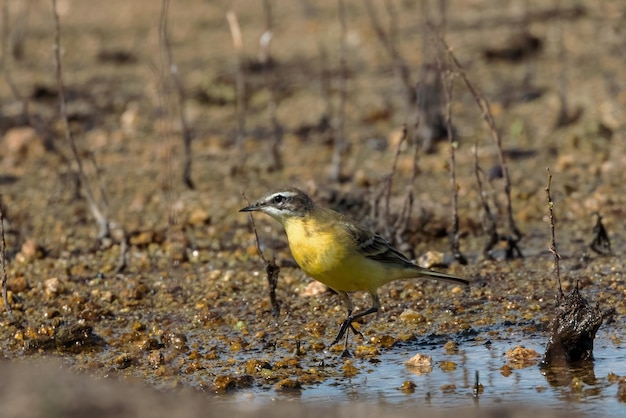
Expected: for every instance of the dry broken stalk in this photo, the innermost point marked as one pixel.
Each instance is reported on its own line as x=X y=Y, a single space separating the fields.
x=553 y=249
x=601 y=242
x=180 y=94
x=382 y=215
x=271 y=268
x=576 y=321
x=485 y=108
x=383 y=198
x=97 y=212
x=454 y=234
x=490 y=227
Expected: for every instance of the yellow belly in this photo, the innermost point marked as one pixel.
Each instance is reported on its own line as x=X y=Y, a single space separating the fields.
x=326 y=254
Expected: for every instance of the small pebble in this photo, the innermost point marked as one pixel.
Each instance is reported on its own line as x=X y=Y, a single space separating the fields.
x=431 y=259
x=53 y=286
x=408 y=386
x=420 y=364
x=287 y=385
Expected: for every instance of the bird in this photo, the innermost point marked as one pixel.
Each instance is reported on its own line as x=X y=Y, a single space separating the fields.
x=336 y=251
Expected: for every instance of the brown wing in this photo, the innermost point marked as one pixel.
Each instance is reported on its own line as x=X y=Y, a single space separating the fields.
x=377 y=248
x=374 y=246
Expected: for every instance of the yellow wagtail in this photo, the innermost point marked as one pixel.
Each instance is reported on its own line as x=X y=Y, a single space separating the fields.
x=336 y=251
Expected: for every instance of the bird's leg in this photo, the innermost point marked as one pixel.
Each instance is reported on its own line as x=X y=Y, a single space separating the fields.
x=347 y=322
x=344 y=327
x=375 y=307
x=351 y=318
x=346 y=352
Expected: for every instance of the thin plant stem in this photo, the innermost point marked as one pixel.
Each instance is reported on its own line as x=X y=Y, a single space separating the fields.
x=97 y=212
x=181 y=96
x=487 y=115
x=553 y=248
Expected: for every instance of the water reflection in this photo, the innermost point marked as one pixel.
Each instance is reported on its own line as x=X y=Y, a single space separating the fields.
x=558 y=376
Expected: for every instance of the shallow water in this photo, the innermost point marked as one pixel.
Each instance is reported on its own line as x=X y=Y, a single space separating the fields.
x=381 y=383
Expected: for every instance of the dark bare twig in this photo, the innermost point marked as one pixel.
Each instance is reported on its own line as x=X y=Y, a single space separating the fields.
x=576 y=321
x=97 y=212
x=485 y=108
x=388 y=40
x=271 y=268
x=339 y=140
x=553 y=249
x=478 y=387
x=180 y=94
x=382 y=216
x=446 y=80
x=298 y=351
x=490 y=221
x=3 y=260
x=601 y=242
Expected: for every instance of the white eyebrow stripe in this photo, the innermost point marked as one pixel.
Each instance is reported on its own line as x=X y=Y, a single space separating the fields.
x=285 y=194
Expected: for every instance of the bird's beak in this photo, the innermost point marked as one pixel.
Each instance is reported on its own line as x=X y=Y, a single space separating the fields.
x=250 y=208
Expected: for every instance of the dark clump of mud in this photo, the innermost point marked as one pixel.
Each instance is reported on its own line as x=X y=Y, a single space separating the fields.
x=73 y=338
x=573 y=330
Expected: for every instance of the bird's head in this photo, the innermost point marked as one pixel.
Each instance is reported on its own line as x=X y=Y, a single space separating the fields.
x=283 y=205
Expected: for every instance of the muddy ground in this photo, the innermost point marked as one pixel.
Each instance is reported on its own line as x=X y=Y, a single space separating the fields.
x=191 y=310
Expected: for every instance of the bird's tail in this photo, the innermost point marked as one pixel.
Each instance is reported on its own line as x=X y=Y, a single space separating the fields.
x=444 y=277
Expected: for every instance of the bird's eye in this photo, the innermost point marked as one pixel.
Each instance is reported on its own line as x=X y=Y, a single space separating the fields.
x=278 y=199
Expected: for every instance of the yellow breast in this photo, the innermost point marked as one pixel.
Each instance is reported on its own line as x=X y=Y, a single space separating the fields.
x=327 y=253
x=316 y=248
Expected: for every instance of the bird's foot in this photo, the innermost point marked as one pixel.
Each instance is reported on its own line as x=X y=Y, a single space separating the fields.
x=344 y=328
x=356 y=331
